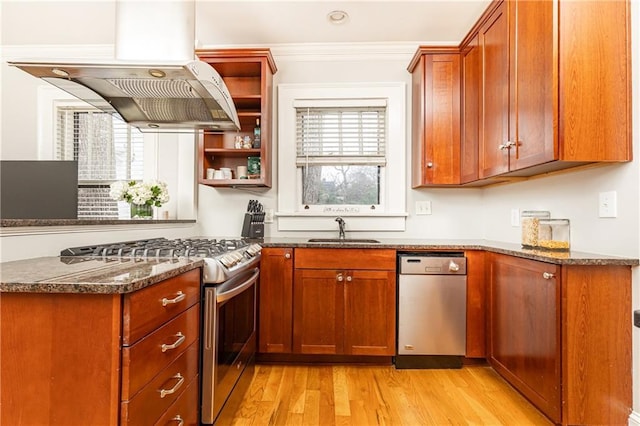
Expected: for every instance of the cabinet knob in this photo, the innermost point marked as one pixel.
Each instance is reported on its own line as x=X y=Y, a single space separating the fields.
x=287 y=255
x=429 y=165
x=339 y=278
x=349 y=278
x=548 y=275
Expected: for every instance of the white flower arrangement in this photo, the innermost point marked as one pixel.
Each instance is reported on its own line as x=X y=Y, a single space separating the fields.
x=151 y=193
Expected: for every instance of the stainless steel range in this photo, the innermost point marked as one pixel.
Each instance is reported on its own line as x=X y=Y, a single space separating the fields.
x=228 y=306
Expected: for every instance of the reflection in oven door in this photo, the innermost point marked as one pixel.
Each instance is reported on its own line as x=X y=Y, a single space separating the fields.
x=229 y=339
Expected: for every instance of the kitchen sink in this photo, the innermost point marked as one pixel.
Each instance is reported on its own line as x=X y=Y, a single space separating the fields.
x=343 y=240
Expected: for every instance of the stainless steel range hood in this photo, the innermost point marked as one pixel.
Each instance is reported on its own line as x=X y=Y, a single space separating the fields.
x=154 y=83
x=151 y=97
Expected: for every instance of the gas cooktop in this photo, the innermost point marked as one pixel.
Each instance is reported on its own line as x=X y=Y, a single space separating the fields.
x=223 y=257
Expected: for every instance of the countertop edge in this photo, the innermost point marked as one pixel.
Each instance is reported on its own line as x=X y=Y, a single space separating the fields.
x=51 y=287
x=558 y=258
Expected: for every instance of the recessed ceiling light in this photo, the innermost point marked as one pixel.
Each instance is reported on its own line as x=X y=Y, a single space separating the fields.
x=338 y=17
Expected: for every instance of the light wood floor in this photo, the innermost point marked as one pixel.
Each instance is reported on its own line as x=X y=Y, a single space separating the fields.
x=381 y=395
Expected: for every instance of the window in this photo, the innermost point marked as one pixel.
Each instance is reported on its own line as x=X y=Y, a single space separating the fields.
x=106 y=149
x=341 y=151
x=341 y=154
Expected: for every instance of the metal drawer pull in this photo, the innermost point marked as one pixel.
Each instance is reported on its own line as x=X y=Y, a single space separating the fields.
x=165 y=392
x=349 y=278
x=175 y=344
x=339 y=278
x=548 y=275
x=179 y=298
x=178 y=419
x=287 y=255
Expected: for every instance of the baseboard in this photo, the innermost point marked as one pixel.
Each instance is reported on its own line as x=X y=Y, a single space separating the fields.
x=634 y=419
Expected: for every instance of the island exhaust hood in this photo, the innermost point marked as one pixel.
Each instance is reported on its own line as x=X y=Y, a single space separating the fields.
x=174 y=93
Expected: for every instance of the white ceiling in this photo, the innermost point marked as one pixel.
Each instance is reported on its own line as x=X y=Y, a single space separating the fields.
x=255 y=22
x=305 y=21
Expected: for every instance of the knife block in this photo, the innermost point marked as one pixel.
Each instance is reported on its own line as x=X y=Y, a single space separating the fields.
x=253 y=225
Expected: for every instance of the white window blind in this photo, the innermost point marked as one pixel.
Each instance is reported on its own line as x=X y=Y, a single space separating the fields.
x=106 y=149
x=341 y=135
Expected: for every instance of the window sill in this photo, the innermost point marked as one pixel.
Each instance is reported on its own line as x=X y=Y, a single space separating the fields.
x=317 y=221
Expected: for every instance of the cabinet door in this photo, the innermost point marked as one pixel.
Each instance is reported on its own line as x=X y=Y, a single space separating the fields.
x=370 y=313
x=494 y=105
x=524 y=328
x=318 y=311
x=471 y=85
x=442 y=120
x=275 y=300
x=531 y=123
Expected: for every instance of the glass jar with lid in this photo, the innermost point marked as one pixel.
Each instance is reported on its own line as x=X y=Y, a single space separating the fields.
x=529 y=221
x=554 y=234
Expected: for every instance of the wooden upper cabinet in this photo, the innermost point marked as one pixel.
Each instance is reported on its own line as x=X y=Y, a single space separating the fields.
x=471 y=61
x=531 y=100
x=248 y=74
x=556 y=86
x=494 y=104
x=436 y=117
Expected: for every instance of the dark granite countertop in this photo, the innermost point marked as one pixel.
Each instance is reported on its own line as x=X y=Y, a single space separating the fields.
x=88 y=274
x=406 y=244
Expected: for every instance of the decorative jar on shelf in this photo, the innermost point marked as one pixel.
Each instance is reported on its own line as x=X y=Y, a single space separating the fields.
x=141 y=211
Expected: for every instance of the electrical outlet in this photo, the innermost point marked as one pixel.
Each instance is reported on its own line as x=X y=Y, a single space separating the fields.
x=515 y=217
x=423 y=207
x=268 y=216
x=608 y=204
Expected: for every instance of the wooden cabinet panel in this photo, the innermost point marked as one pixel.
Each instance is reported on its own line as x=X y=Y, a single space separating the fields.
x=275 y=306
x=532 y=72
x=345 y=258
x=596 y=348
x=369 y=313
x=436 y=119
x=60 y=358
x=494 y=105
x=524 y=328
x=318 y=312
x=595 y=80
x=476 y=304
x=471 y=87
x=147 y=309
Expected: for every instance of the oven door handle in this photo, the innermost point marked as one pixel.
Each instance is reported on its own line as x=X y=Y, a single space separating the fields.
x=222 y=297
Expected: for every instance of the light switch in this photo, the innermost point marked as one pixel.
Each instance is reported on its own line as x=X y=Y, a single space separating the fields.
x=608 y=204
x=423 y=207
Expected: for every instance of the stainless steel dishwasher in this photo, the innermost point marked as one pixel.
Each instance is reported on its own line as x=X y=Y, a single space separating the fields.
x=432 y=310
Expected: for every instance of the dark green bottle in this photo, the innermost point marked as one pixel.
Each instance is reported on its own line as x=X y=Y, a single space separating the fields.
x=256 y=134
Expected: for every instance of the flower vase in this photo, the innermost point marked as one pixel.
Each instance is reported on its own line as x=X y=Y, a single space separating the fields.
x=141 y=211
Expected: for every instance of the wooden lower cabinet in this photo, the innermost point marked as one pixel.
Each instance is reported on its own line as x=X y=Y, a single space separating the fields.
x=561 y=335
x=348 y=307
x=275 y=300
x=98 y=359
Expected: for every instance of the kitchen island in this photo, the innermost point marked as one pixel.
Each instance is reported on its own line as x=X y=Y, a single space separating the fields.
x=94 y=340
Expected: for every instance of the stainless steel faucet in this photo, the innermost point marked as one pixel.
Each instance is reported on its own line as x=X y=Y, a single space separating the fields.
x=341 y=227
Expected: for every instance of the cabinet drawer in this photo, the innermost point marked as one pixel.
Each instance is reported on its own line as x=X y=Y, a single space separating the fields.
x=142 y=361
x=150 y=403
x=371 y=259
x=185 y=409
x=147 y=309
